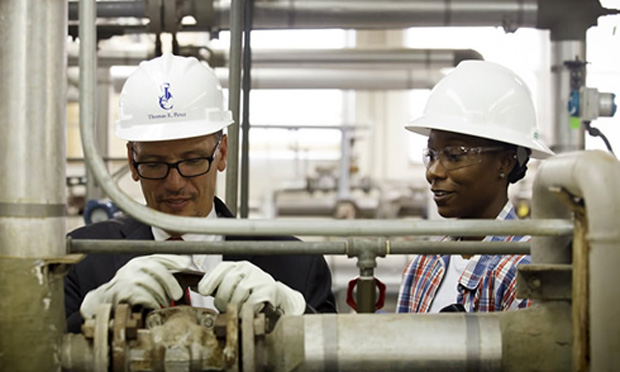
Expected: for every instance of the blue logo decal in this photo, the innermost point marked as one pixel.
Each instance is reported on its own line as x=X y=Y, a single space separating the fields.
x=165 y=100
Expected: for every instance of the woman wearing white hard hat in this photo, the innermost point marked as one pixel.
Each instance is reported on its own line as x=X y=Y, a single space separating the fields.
x=481 y=126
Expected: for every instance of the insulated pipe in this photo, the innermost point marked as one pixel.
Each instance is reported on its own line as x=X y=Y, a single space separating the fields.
x=32 y=188
x=382 y=342
x=32 y=140
x=595 y=177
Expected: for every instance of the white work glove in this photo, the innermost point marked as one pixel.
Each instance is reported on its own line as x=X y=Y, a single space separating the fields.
x=144 y=280
x=242 y=282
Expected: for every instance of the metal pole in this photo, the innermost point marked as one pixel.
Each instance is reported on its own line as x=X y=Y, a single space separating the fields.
x=234 y=87
x=247 y=86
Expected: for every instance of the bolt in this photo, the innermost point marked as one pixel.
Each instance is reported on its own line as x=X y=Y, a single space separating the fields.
x=206 y=320
x=535 y=282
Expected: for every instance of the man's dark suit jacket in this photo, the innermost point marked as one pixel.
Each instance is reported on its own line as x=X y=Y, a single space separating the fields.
x=308 y=274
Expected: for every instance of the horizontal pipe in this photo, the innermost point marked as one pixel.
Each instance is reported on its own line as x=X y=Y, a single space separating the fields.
x=290 y=247
x=360 y=14
x=313 y=57
x=362 y=69
x=112 y=9
x=382 y=342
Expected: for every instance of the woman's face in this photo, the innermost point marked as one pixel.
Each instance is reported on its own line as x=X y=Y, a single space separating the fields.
x=475 y=190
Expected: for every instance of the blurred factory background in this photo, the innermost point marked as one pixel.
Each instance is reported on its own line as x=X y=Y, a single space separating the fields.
x=327 y=109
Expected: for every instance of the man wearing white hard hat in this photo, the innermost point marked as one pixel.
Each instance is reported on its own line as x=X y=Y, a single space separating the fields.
x=481 y=126
x=172 y=115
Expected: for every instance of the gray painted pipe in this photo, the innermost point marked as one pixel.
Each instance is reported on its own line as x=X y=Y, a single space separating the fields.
x=292 y=247
x=595 y=176
x=32 y=139
x=370 y=14
x=316 y=58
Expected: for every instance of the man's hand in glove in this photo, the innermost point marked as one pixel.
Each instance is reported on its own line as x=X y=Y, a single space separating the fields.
x=241 y=282
x=145 y=280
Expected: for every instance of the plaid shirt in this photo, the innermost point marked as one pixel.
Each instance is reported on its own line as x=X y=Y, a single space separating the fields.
x=488 y=282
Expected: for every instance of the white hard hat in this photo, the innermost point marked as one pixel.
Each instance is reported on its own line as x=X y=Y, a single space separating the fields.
x=171 y=97
x=486 y=100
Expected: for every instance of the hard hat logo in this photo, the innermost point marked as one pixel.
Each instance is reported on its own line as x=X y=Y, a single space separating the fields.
x=171 y=97
x=165 y=100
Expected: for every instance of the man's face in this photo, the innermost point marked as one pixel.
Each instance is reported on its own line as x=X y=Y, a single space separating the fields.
x=175 y=194
x=474 y=191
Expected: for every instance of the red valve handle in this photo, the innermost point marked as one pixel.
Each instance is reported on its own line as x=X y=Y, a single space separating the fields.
x=380 y=301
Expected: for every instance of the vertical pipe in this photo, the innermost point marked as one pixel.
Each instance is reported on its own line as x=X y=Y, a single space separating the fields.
x=104 y=91
x=247 y=86
x=32 y=192
x=565 y=138
x=594 y=176
x=345 y=164
x=33 y=116
x=234 y=85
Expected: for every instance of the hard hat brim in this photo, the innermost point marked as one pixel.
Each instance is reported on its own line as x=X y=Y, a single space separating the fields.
x=423 y=125
x=166 y=132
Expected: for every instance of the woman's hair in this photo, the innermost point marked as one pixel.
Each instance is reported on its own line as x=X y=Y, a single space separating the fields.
x=522 y=156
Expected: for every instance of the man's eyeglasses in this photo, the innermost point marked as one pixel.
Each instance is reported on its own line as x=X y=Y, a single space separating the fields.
x=455 y=157
x=158 y=170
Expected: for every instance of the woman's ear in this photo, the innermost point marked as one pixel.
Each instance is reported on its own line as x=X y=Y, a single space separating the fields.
x=508 y=160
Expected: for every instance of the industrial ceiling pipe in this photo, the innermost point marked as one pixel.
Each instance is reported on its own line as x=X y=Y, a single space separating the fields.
x=315 y=58
x=366 y=69
x=369 y=14
x=362 y=14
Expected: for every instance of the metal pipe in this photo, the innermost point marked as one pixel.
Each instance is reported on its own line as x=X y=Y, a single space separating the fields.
x=566 y=137
x=290 y=247
x=328 y=69
x=32 y=138
x=394 y=342
x=368 y=14
x=112 y=9
x=32 y=190
x=344 y=79
x=344 y=171
x=234 y=96
x=247 y=86
x=595 y=177
x=345 y=58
